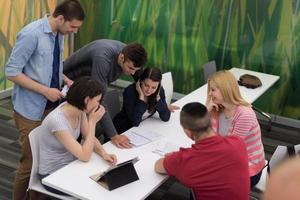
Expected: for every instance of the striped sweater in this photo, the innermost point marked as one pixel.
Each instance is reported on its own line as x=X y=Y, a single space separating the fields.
x=244 y=124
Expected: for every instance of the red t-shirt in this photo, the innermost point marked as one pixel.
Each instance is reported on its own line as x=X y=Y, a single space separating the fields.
x=215 y=168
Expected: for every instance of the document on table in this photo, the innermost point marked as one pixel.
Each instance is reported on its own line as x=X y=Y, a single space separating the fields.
x=138 y=138
x=164 y=147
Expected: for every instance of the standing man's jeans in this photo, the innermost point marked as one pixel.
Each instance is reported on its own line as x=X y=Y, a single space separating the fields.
x=25 y=126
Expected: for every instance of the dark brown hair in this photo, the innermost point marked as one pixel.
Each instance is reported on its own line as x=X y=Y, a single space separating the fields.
x=70 y=9
x=194 y=117
x=82 y=88
x=154 y=74
x=136 y=53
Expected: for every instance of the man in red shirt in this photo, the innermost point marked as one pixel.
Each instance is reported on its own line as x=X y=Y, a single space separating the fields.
x=214 y=167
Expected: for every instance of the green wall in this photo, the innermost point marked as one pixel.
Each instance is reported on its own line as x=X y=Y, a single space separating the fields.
x=181 y=35
x=14 y=15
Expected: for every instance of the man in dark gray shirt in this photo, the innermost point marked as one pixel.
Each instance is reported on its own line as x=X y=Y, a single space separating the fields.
x=106 y=60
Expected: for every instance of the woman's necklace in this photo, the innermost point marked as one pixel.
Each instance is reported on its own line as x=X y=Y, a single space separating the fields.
x=229 y=112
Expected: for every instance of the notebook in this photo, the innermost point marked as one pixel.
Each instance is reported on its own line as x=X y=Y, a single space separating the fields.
x=139 y=138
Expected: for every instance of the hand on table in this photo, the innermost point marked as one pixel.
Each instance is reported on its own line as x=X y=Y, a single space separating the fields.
x=121 y=141
x=110 y=158
x=172 y=108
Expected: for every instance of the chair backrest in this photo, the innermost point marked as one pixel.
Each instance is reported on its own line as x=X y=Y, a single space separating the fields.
x=112 y=102
x=209 y=69
x=167 y=83
x=178 y=191
x=280 y=154
x=34 y=145
x=34 y=181
x=265 y=115
x=192 y=195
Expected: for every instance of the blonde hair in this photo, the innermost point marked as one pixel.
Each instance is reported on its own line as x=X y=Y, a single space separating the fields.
x=227 y=84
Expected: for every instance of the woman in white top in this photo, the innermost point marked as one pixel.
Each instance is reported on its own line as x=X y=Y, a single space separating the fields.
x=79 y=114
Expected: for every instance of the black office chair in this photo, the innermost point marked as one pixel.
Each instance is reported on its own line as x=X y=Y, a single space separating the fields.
x=265 y=115
x=209 y=69
x=179 y=192
x=111 y=101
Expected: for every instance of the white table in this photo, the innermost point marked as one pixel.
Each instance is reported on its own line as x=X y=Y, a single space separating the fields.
x=250 y=95
x=74 y=178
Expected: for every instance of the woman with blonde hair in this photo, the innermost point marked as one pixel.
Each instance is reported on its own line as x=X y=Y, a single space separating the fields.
x=232 y=115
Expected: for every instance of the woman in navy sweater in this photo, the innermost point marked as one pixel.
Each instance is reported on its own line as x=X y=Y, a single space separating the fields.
x=141 y=100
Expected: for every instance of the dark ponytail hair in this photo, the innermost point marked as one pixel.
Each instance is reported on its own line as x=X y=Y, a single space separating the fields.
x=154 y=74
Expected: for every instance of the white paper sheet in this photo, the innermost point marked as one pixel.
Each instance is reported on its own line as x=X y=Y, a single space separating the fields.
x=164 y=147
x=65 y=90
x=138 y=138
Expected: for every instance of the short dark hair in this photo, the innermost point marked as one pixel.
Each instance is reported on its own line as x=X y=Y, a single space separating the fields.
x=136 y=53
x=70 y=9
x=82 y=88
x=194 y=116
x=154 y=74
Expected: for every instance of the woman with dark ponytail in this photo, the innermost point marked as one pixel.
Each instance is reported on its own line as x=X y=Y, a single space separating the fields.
x=141 y=100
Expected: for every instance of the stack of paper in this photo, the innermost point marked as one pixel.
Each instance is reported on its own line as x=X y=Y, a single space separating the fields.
x=165 y=147
x=138 y=138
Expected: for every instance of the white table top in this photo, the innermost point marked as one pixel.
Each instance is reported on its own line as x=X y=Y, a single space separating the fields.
x=74 y=178
x=251 y=95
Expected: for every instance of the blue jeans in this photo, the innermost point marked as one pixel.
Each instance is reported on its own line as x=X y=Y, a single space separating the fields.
x=50 y=189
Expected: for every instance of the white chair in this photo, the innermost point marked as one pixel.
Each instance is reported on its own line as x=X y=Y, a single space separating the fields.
x=34 y=182
x=279 y=155
x=167 y=83
x=209 y=69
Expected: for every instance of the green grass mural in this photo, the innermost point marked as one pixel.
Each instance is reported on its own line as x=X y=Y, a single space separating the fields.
x=14 y=15
x=181 y=35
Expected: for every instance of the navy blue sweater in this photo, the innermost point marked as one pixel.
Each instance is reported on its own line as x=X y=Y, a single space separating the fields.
x=134 y=108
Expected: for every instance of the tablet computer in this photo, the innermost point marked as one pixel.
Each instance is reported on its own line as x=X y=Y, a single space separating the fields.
x=117 y=175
